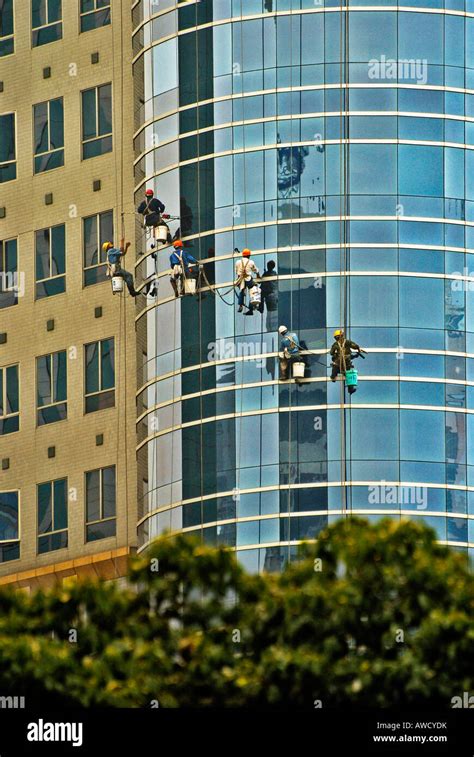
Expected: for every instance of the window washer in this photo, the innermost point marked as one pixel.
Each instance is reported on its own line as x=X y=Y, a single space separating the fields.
x=290 y=351
x=113 y=264
x=152 y=210
x=341 y=354
x=183 y=265
x=244 y=268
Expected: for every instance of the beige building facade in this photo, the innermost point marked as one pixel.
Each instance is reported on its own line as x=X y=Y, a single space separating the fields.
x=67 y=344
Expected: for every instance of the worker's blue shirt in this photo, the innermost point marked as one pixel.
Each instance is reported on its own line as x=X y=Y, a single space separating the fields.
x=290 y=343
x=114 y=256
x=188 y=259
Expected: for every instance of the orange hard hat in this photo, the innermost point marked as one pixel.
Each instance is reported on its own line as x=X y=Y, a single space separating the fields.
x=177 y=243
x=246 y=253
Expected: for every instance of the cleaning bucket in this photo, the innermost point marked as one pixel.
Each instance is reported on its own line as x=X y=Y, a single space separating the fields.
x=351 y=377
x=255 y=296
x=117 y=284
x=161 y=234
x=298 y=370
x=190 y=286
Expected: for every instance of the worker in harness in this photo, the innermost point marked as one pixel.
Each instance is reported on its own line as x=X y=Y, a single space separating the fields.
x=114 y=267
x=341 y=355
x=244 y=268
x=290 y=351
x=183 y=266
x=152 y=210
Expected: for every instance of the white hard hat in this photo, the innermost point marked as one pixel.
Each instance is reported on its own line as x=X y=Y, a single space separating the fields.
x=282 y=329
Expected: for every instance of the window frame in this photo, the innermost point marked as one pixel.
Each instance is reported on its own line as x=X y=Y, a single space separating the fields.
x=54 y=403
x=49 y=151
x=100 y=391
x=95 y=266
x=95 y=11
x=98 y=136
x=108 y=519
x=53 y=530
x=45 y=26
x=11 y=36
x=6 y=416
x=57 y=275
x=15 y=136
x=4 y=272
x=8 y=542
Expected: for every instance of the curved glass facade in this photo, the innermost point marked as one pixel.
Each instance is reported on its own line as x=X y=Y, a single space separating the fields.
x=338 y=143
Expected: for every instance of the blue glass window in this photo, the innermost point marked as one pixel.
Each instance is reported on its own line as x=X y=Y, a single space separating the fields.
x=96 y=230
x=9 y=526
x=100 y=375
x=100 y=504
x=52 y=515
x=96 y=121
x=420 y=170
x=7 y=147
x=9 y=400
x=374 y=434
x=422 y=435
x=11 y=281
x=50 y=250
x=422 y=301
x=94 y=14
x=7 y=44
x=373 y=169
x=51 y=383
x=46 y=17
x=48 y=120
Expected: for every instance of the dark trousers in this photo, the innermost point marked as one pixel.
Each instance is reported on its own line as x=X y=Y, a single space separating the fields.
x=128 y=278
x=286 y=363
x=337 y=368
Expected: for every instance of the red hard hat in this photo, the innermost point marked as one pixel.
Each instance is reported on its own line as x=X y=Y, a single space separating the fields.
x=246 y=253
x=149 y=192
x=177 y=243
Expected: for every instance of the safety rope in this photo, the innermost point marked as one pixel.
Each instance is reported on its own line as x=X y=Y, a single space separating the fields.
x=289 y=363
x=343 y=233
x=118 y=154
x=347 y=277
x=198 y=170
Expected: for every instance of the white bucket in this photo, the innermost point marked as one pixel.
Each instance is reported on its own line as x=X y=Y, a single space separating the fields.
x=161 y=234
x=298 y=370
x=190 y=286
x=117 y=284
x=255 y=296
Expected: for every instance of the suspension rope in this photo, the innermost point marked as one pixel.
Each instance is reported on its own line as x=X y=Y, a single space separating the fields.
x=343 y=232
x=198 y=177
x=119 y=195
x=241 y=366
x=289 y=366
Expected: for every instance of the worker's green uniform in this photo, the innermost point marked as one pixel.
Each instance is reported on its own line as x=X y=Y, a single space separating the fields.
x=337 y=352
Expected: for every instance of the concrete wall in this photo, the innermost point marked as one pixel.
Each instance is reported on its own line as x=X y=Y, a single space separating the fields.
x=73 y=312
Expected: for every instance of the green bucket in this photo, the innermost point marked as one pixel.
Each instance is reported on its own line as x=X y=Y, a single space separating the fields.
x=351 y=377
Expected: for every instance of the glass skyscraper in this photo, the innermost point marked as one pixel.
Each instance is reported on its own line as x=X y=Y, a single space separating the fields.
x=337 y=142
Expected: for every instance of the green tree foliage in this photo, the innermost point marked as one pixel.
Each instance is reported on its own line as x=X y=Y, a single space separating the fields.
x=371 y=616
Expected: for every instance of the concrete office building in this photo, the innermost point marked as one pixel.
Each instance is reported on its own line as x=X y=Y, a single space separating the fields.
x=67 y=357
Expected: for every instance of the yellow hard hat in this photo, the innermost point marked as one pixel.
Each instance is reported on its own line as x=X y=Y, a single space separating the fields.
x=106 y=246
x=338 y=332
